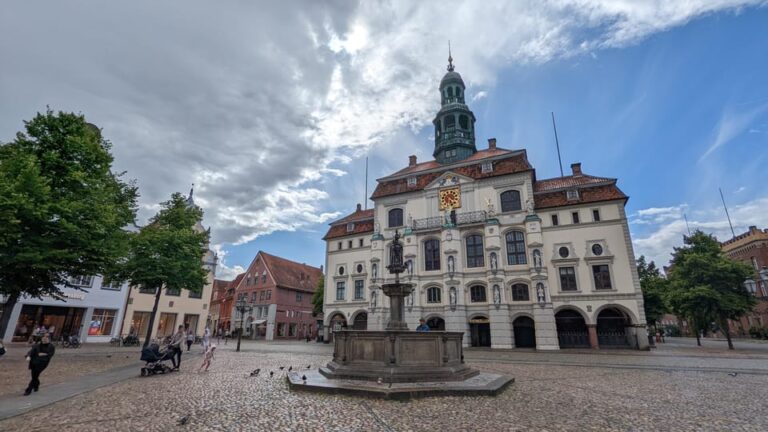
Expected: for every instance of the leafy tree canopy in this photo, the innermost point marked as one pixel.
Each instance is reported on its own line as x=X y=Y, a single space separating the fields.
x=654 y=285
x=62 y=209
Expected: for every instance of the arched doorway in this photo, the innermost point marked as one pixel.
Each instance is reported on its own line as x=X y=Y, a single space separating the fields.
x=360 y=322
x=525 y=332
x=337 y=323
x=436 y=324
x=571 y=329
x=480 y=331
x=611 y=328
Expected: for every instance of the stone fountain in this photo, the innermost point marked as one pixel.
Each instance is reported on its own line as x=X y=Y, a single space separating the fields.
x=398 y=362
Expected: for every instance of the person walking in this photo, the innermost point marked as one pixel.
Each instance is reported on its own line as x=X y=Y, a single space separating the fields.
x=39 y=357
x=226 y=336
x=190 y=339
x=175 y=345
x=423 y=327
x=206 y=339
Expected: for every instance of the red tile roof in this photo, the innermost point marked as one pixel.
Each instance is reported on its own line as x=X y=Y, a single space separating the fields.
x=290 y=274
x=588 y=194
x=569 y=182
x=340 y=230
x=514 y=163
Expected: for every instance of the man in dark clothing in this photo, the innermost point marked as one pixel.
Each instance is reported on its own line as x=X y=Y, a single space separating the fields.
x=176 y=342
x=39 y=357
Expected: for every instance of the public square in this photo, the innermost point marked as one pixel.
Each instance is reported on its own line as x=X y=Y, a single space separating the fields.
x=677 y=386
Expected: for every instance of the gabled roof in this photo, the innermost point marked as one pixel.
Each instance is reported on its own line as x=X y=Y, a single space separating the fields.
x=290 y=274
x=504 y=162
x=571 y=181
x=363 y=223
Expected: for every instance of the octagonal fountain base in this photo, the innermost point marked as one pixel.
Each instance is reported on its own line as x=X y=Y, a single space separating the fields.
x=398 y=364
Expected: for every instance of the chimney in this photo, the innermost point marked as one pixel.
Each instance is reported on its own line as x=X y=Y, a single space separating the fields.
x=321 y=268
x=753 y=229
x=359 y=207
x=412 y=160
x=576 y=168
x=491 y=143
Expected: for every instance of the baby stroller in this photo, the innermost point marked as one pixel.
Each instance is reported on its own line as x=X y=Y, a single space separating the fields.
x=155 y=358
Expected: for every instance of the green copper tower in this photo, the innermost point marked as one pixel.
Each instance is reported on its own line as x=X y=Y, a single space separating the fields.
x=454 y=123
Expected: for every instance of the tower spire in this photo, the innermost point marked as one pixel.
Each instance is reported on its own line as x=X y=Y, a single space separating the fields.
x=450 y=58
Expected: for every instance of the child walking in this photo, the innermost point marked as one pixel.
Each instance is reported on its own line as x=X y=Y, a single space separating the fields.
x=207 y=357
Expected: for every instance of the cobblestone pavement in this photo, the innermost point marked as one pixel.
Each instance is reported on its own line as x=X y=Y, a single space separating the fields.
x=545 y=396
x=67 y=364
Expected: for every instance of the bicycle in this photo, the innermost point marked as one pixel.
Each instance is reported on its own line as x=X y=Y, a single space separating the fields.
x=71 y=342
x=116 y=341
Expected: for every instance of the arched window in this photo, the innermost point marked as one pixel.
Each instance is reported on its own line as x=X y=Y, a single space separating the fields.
x=515 y=248
x=395 y=218
x=450 y=92
x=475 y=251
x=464 y=122
x=510 y=201
x=450 y=123
x=433 y=295
x=520 y=292
x=477 y=294
x=432 y=254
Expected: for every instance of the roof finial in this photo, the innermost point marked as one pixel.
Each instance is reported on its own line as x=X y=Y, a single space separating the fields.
x=450 y=59
x=191 y=190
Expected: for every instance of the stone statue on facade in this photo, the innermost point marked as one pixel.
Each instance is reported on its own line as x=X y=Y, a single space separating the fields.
x=540 y=293
x=496 y=295
x=489 y=207
x=537 y=264
x=452 y=296
x=373 y=299
x=529 y=206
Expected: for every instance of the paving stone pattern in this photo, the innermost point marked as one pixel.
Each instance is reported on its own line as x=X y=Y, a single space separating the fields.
x=544 y=397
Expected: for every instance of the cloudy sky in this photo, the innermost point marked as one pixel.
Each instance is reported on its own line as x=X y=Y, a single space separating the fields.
x=271 y=108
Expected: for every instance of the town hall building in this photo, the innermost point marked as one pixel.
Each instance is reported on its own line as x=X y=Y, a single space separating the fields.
x=507 y=258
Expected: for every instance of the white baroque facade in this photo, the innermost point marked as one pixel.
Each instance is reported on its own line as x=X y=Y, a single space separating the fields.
x=506 y=258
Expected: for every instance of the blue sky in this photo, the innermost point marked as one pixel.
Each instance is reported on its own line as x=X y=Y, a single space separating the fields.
x=270 y=109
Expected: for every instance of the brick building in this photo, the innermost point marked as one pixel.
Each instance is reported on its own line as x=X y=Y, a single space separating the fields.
x=279 y=292
x=752 y=248
x=222 y=300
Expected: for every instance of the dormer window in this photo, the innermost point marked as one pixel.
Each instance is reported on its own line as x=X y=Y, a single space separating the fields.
x=486 y=167
x=350 y=227
x=411 y=181
x=572 y=195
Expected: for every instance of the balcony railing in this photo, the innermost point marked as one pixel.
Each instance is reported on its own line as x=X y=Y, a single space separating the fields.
x=452 y=219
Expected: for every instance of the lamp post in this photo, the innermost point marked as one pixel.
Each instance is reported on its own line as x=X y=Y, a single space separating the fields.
x=764 y=277
x=242 y=308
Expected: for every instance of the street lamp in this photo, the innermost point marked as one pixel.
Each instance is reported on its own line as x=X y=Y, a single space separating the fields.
x=242 y=308
x=750 y=285
x=764 y=277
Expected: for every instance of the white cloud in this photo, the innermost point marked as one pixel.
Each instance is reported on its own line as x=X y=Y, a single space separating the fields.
x=223 y=271
x=255 y=103
x=656 y=215
x=731 y=125
x=479 y=95
x=658 y=243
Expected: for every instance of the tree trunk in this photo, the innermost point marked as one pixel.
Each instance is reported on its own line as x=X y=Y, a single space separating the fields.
x=727 y=332
x=7 y=309
x=151 y=325
x=698 y=335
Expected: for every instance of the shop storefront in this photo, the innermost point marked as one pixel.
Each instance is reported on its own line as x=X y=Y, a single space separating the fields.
x=93 y=313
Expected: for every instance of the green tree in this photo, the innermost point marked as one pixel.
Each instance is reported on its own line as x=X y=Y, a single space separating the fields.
x=706 y=286
x=653 y=284
x=317 y=297
x=62 y=209
x=168 y=253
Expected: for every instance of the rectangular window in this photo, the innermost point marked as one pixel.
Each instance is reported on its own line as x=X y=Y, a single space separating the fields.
x=486 y=167
x=167 y=324
x=432 y=255
x=281 y=329
x=144 y=290
x=568 y=279
x=477 y=294
x=340 y=287
x=572 y=195
x=596 y=215
x=360 y=242
x=253 y=297
x=172 y=292
x=269 y=294
x=359 y=290
x=292 y=330
x=516 y=248
x=81 y=281
x=339 y=244
x=411 y=181
x=475 y=255
x=575 y=217
x=520 y=292
x=350 y=227
x=299 y=297
x=433 y=295
x=349 y=244
x=139 y=324
x=190 y=322
x=101 y=322
x=555 y=222
x=111 y=285
x=261 y=296
x=602 y=277
x=196 y=294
